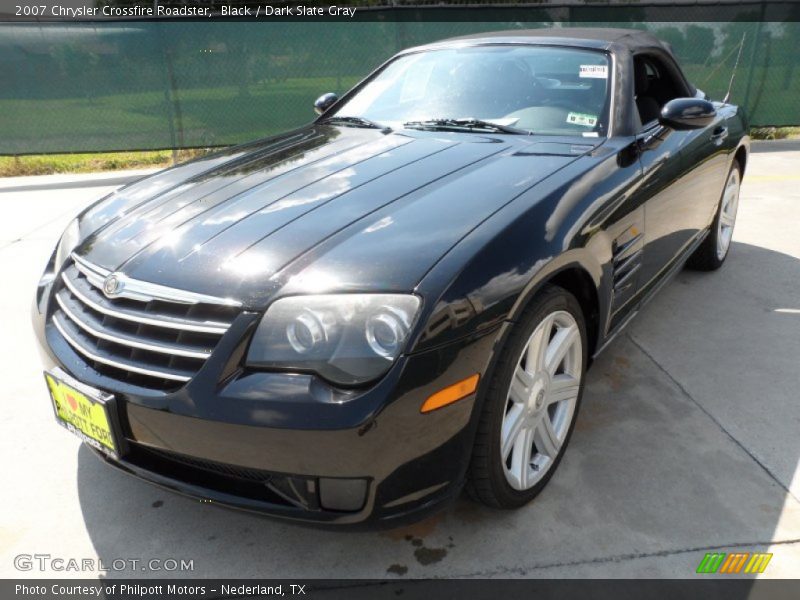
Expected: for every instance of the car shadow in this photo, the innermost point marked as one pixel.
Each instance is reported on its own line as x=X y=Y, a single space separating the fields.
x=675 y=454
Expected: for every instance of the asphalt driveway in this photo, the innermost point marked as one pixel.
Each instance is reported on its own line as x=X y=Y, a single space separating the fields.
x=688 y=440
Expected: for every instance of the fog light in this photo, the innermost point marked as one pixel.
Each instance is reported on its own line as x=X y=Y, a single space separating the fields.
x=342 y=494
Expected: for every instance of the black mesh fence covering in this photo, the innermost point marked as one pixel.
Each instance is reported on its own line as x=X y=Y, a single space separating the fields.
x=134 y=85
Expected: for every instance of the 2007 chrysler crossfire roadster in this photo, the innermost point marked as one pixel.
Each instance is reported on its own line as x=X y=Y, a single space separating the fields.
x=350 y=322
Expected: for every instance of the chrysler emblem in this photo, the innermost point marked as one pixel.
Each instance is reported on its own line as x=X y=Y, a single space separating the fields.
x=112 y=285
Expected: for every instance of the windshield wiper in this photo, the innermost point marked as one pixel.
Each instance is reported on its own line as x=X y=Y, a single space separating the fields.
x=355 y=122
x=467 y=123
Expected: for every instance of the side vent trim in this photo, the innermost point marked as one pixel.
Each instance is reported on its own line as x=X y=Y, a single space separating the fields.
x=627 y=260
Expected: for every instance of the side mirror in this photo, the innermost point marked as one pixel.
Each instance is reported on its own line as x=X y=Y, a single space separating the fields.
x=687 y=113
x=324 y=102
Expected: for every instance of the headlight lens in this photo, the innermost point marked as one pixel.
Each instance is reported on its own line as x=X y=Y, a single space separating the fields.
x=69 y=241
x=347 y=339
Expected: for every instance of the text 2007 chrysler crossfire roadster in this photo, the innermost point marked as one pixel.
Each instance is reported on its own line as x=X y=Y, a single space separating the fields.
x=348 y=323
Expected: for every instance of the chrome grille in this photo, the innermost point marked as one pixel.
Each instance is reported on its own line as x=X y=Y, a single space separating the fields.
x=146 y=334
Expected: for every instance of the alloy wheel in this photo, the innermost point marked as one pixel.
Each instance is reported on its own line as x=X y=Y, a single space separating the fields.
x=727 y=214
x=541 y=400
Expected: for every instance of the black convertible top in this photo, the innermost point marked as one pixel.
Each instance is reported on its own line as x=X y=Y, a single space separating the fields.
x=591 y=37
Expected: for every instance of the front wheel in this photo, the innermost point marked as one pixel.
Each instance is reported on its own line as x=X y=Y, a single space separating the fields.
x=710 y=255
x=531 y=404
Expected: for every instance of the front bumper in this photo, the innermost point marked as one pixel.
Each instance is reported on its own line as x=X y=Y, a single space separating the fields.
x=289 y=446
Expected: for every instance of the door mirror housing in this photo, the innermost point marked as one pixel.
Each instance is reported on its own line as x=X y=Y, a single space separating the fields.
x=324 y=102
x=687 y=113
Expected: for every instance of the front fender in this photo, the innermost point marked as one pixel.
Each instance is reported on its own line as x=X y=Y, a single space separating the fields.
x=498 y=282
x=578 y=259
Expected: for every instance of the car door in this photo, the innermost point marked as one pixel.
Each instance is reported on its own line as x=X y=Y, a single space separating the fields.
x=683 y=172
x=704 y=158
x=668 y=226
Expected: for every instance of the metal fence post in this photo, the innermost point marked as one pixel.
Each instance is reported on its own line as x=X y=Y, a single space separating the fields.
x=170 y=96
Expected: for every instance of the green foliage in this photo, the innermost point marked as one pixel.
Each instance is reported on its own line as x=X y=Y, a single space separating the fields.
x=11 y=166
x=775 y=133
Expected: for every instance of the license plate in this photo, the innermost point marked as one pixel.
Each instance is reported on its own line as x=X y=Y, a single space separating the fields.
x=83 y=410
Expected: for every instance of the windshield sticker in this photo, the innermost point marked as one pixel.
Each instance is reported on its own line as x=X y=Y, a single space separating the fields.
x=582 y=119
x=594 y=71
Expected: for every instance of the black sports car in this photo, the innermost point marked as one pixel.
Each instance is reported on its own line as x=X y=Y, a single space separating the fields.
x=346 y=323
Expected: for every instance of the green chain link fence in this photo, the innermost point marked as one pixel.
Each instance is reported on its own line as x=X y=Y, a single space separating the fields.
x=86 y=87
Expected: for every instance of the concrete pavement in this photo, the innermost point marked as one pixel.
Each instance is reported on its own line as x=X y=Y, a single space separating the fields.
x=687 y=441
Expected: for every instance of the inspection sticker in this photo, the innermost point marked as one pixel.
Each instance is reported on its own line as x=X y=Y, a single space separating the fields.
x=582 y=119
x=594 y=71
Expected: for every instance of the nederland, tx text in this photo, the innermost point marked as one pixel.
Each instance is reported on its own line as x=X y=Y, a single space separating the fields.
x=287 y=11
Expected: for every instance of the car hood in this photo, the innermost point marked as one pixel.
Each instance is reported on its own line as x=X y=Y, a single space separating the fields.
x=322 y=208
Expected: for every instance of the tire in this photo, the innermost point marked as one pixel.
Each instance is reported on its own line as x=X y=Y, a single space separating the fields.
x=711 y=254
x=513 y=476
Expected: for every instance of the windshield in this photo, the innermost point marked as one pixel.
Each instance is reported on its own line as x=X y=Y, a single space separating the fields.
x=543 y=90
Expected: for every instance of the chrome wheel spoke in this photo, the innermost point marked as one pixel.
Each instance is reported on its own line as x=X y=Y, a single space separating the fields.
x=521 y=458
x=727 y=219
x=545 y=437
x=537 y=346
x=520 y=386
x=513 y=423
x=564 y=387
x=558 y=347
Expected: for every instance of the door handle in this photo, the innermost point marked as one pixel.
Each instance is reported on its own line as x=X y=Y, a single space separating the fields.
x=719 y=135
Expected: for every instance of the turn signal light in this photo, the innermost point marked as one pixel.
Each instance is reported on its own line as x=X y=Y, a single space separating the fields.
x=452 y=393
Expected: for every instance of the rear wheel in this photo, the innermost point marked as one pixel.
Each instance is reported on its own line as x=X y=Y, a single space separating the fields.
x=532 y=402
x=710 y=255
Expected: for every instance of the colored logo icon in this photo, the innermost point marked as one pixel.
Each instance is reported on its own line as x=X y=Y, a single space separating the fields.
x=733 y=563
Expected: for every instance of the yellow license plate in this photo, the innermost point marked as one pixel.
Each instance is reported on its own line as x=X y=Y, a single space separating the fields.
x=82 y=411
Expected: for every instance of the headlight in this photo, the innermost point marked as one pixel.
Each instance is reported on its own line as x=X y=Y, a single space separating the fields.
x=345 y=338
x=69 y=240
